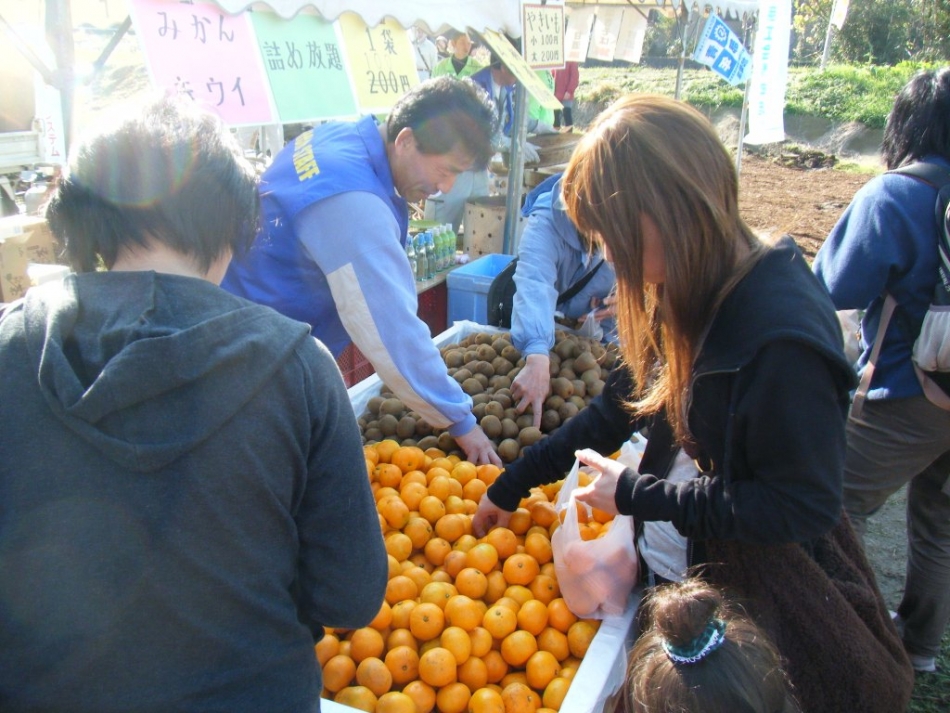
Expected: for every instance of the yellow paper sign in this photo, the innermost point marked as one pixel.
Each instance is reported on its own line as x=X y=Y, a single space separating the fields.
x=513 y=61
x=381 y=62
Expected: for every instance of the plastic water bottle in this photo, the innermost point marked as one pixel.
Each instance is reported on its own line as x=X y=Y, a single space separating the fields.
x=448 y=246
x=441 y=248
x=411 y=254
x=422 y=262
x=430 y=256
x=453 y=244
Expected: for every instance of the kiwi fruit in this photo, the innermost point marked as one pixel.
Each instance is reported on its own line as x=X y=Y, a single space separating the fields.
x=485 y=367
x=486 y=352
x=373 y=434
x=580 y=388
x=461 y=375
x=454 y=358
x=406 y=428
x=553 y=402
x=446 y=443
x=510 y=353
x=584 y=362
x=472 y=386
x=508 y=450
x=500 y=381
x=478 y=410
x=596 y=388
x=495 y=409
x=502 y=366
x=562 y=387
x=568 y=410
x=428 y=442
x=509 y=429
x=481 y=379
x=388 y=424
x=373 y=404
x=423 y=428
x=491 y=425
x=550 y=420
x=529 y=436
x=499 y=345
x=524 y=420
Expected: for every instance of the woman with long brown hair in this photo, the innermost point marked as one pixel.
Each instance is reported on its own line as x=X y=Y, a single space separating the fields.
x=733 y=360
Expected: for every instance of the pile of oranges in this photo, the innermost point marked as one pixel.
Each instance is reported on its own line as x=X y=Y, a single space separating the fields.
x=468 y=625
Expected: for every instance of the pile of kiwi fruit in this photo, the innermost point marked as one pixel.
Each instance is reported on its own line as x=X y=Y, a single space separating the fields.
x=485 y=364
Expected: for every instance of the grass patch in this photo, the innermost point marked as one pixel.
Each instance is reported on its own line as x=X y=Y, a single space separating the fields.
x=932 y=690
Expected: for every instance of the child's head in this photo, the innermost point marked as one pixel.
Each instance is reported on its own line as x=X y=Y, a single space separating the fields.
x=698 y=656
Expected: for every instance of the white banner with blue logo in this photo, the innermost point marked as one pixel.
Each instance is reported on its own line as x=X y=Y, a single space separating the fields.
x=720 y=50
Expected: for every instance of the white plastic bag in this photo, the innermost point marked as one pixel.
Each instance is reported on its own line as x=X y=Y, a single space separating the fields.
x=595 y=576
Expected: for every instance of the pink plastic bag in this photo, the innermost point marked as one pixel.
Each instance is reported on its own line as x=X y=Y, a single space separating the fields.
x=595 y=576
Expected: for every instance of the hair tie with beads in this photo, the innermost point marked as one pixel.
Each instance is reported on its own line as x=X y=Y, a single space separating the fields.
x=711 y=639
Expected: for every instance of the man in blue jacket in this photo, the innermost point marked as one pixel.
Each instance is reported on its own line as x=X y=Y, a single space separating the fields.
x=331 y=248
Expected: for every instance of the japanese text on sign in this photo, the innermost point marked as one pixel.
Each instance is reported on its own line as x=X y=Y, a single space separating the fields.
x=381 y=61
x=543 y=39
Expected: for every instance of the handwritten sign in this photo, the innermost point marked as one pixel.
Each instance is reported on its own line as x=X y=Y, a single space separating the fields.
x=533 y=84
x=198 y=50
x=543 y=38
x=577 y=36
x=606 y=30
x=633 y=30
x=303 y=59
x=382 y=66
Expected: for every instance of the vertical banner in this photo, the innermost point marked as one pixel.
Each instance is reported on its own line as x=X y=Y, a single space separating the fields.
x=839 y=12
x=304 y=64
x=603 y=38
x=49 y=115
x=198 y=50
x=381 y=62
x=769 y=73
x=543 y=39
x=633 y=30
x=577 y=34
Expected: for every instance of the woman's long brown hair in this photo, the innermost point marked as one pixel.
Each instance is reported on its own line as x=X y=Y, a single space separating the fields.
x=655 y=156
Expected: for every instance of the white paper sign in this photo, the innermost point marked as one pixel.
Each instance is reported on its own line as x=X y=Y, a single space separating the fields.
x=633 y=30
x=577 y=35
x=769 y=73
x=603 y=39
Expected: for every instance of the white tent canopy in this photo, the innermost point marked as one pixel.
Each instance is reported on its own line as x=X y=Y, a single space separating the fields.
x=729 y=8
x=436 y=15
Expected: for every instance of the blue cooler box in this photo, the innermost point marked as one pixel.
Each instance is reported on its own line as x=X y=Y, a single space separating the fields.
x=468 y=287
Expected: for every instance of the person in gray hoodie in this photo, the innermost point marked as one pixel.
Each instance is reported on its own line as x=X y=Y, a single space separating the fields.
x=183 y=496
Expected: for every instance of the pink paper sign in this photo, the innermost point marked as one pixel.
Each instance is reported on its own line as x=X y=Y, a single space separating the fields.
x=198 y=50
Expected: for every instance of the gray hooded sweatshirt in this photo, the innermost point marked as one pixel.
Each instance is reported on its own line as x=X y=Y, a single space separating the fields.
x=183 y=501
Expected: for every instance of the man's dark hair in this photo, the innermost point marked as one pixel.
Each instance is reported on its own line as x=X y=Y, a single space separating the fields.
x=445 y=113
x=919 y=123
x=170 y=173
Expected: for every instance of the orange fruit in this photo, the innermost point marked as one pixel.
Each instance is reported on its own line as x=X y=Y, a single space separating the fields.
x=418 y=530
x=338 y=672
x=516 y=676
x=436 y=549
x=474 y=490
x=440 y=486
x=437 y=593
x=395 y=567
x=486 y=700
x=481 y=641
x=383 y=618
x=387 y=475
x=520 y=568
x=422 y=693
x=580 y=635
x=404 y=637
x=408 y=458
x=453 y=698
x=431 y=508
x=465 y=543
x=454 y=563
x=555 y=692
x=473 y=673
x=437 y=667
x=394 y=510
x=450 y=526
x=403 y=664
x=385 y=450
x=488 y=473
x=541 y=669
x=455 y=505
x=426 y=621
x=519 y=698
x=464 y=471
x=560 y=615
x=401 y=612
x=413 y=476
x=395 y=702
x=512 y=604
x=539 y=547
x=500 y=621
x=503 y=540
x=520 y=521
x=495 y=665
x=366 y=642
x=380 y=492
x=554 y=641
x=543 y=512
x=326 y=648
x=443 y=464
x=398 y=545
x=518 y=646
x=359 y=697
x=533 y=616
x=400 y=588
x=419 y=575
x=412 y=494
x=371 y=454
x=457 y=641
x=483 y=557
x=545 y=588
x=463 y=612
x=472 y=583
x=496 y=586
x=374 y=675
x=519 y=593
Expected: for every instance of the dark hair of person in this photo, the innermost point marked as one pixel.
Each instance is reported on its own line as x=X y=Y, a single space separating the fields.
x=170 y=173
x=676 y=665
x=445 y=113
x=652 y=156
x=918 y=125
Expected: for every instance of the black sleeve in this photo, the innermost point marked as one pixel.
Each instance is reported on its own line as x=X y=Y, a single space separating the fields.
x=603 y=426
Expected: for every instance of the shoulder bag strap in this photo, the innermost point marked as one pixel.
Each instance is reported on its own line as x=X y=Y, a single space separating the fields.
x=860 y=395
x=579 y=285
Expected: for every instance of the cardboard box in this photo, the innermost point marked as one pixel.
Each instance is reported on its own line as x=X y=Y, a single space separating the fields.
x=24 y=239
x=603 y=668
